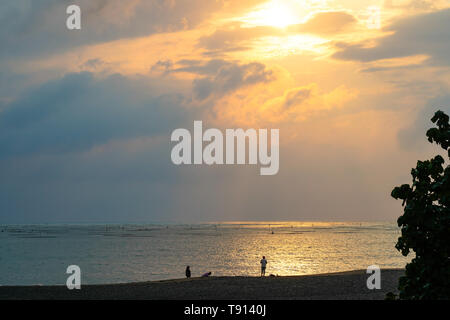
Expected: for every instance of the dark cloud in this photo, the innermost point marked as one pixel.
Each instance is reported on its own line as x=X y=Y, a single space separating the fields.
x=162 y=66
x=391 y=68
x=296 y=97
x=204 y=68
x=222 y=77
x=106 y=186
x=78 y=112
x=425 y=34
x=10 y=84
x=30 y=28
x=82 y=148
x=217 y=76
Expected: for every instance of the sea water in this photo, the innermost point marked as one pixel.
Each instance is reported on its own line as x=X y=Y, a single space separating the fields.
x=40 y=254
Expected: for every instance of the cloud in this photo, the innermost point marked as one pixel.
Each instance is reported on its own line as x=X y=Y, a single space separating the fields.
x=78 y=111
x=234 y=37
x=301 y=103
x=204 y=68
x=87 y=148
x=260 y=106
x=33 y=28
x=122 y=181
x=326 y=23
x=296 y=96
x=413 y=136
x=419 y=5
x=162 y=66
x=424 y=34
x=218 y=77
x=230 y=77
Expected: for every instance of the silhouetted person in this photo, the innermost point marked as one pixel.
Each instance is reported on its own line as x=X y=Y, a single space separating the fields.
x=206 y=274
x=263 y=266
x=188 y=272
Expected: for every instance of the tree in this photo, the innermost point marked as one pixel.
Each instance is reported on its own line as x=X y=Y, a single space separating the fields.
x=425 y=223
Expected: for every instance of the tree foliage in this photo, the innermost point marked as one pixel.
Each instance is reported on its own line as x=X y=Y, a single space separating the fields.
x=425 y=223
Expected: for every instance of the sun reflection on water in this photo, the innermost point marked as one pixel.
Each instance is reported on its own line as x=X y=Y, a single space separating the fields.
x=124 y=253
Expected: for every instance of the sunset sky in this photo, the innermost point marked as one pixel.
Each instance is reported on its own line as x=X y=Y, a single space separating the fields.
x=86 y=115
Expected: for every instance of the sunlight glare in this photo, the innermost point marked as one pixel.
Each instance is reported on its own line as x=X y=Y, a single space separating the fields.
x=275 y=13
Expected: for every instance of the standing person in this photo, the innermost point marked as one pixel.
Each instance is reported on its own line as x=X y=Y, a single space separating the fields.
x=188 y=272
x=263 y=266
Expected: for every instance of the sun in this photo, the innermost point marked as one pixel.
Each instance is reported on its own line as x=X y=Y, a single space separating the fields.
x=275 y=13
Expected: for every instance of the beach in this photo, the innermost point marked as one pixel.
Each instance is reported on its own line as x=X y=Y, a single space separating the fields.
x=350 y=285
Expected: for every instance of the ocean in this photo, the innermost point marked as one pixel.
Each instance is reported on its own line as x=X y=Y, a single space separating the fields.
x=40 y=254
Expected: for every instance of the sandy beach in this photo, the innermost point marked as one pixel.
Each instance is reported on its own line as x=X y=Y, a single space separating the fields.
x=349 y=285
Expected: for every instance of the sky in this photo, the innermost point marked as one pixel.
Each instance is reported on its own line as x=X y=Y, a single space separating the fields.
x=86 y=115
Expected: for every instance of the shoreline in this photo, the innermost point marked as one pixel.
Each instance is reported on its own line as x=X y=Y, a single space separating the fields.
x=347 y=285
